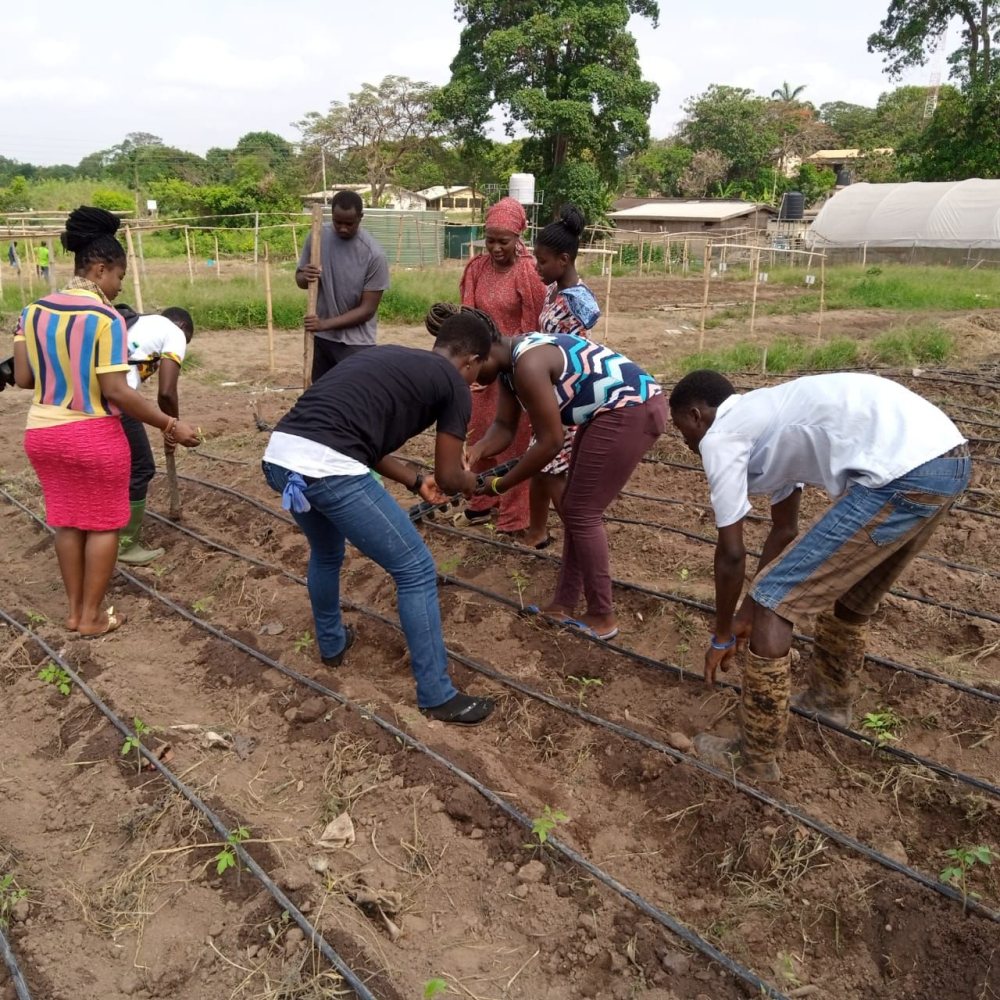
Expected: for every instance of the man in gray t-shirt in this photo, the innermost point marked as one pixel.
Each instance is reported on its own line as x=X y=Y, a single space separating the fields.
x=352 y=277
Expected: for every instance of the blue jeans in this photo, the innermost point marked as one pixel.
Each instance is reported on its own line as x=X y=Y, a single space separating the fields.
x=357 y=509
x=858 y=549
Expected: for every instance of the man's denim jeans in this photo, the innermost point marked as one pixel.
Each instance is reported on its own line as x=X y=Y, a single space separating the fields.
x=358 y=509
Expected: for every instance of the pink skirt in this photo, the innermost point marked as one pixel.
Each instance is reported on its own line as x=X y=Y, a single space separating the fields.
x=84 y=471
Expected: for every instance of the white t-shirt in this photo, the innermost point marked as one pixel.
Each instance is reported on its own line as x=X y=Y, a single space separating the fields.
x=824 y=430
x=310 y=458
x=150 y=339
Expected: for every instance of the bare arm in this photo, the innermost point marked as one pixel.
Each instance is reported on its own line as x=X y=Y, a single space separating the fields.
x=117 y=391
x=166 y=387
x=730 y=565
x=501 y=432
x=24 y=377
x=449 y=469
x=361 y=313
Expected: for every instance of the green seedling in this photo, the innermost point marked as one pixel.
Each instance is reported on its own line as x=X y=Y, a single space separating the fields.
x=227 y=858
x=434 y=988
x=303 y=642
x=10 y=896
x=684 y=573
x=56 y=676
x=446 y=568
x=884 y=725
x=542 y=826
x=964 y=859
x=202 y=605
x=584 y=684
x=35 y=618
x=521 y=581
x=134 y=742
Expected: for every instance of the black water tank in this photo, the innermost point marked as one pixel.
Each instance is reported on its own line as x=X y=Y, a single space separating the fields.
x=843 y=177
x=793 y=206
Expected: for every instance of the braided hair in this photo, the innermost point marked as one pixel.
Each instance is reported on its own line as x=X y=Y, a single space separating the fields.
x=563 y=235
x=441 y=311
x=90 y=237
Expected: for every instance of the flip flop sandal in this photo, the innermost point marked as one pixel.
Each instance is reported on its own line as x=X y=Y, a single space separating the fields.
x=545 y=544
x=115 y=622
x=574 y=623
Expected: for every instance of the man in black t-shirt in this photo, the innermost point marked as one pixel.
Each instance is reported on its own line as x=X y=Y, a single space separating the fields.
x=319 y=457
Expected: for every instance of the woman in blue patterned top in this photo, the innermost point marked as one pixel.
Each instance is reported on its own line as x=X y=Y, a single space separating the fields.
x=564 y=381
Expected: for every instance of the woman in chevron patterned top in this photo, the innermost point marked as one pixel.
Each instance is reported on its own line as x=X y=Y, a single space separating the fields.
x=561 y=381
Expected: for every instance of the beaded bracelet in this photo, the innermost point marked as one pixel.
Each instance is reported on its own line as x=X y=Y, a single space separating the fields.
x=168 y=431
x=723 y=645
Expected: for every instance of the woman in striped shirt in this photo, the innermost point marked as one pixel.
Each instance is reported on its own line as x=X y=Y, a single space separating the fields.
x=71 y=349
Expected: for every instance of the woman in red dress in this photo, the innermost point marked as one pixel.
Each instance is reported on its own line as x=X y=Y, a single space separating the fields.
x=504 y=283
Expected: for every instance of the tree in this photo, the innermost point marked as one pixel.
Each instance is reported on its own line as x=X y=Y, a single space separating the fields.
x=708 y=169
x=851 y=124
x=912 y=29
x=787 y=93
x=567 y=72
x=380 y=125
x=658 y=169
x=736 y=124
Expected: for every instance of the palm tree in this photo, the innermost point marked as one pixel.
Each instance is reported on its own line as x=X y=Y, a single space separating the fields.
x=786 y=92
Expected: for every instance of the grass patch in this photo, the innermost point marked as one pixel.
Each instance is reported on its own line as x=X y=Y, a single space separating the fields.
x=927 y=344
x=237 y=302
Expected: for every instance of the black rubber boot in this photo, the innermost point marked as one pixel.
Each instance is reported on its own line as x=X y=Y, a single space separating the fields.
x=338 y=658
x=462 y=710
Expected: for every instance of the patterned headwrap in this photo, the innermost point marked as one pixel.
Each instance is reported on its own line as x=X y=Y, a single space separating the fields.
x=508 y=214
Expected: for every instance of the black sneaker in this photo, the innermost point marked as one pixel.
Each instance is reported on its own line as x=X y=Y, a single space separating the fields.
x=349 y=636
x=477 y=516
x=462 y=710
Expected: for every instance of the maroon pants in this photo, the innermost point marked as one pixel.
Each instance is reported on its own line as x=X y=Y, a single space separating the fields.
x=606 y=451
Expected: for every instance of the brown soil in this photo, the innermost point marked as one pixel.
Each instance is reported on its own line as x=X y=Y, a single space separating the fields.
x=124 y=899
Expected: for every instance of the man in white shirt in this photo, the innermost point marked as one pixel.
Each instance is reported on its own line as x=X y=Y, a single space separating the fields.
x=157 y=344
x=894 y=462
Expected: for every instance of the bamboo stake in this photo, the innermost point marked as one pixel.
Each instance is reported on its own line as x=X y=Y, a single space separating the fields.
x=20 y=278
x=295 y=242
x=686 y=260
x=187 y=247
x=218 y=263
x=642 y=248
x=399 y=242
x=607 y=297
x=30 y=254
x=270 y=308
x=822 y=297
x=315 y=259
x=136 y=283
x=707 y=266
x=755 y=269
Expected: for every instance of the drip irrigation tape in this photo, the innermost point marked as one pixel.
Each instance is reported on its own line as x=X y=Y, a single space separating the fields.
x=638 y=588
x=425 y=507
x=660 y=916
x=311 y=933
x=904 y=594
x=633 y=735
x=16 y=976
x=880 y=661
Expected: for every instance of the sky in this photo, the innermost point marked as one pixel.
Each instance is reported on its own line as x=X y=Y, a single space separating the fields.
x=201 y=74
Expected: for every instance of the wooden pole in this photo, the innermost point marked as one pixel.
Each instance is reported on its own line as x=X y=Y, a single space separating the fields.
x=316 y=260
x=686 y=258
x=607 y=297
x=822 y=297
x=218 y=263
x=174 y=492
x=142 y=255
x=187 y=247
x=136 y=283
x=707 y=266
x=270 y=308
x=20 y=278
x=295 y=243
x=256 y=236
x=399 y=242
x=30 y=256
x=755 y=274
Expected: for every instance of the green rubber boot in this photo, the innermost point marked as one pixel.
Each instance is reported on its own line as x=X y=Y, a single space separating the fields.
x=130 y=549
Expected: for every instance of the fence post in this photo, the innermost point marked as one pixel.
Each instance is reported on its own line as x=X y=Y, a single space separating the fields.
x=136 y=285
x=822 y=297
x=707 y=265
x=316 y=260
x=218 y=263
x=607 y=296
x=270 y=309
x=187 y=247
x=755 y=271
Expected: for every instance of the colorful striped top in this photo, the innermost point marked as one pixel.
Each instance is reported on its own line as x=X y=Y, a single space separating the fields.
x=594 y=378
x=573 y=310
x=72 y=337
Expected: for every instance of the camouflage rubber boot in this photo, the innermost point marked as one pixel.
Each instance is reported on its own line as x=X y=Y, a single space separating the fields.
x=838 y=655
x=763 y=721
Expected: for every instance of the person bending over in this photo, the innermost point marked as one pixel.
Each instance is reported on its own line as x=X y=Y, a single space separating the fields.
x=563 y=381
x=352 y=276
x=319 y=457
x=156 y=346
x=895 y=462
x=570 y=307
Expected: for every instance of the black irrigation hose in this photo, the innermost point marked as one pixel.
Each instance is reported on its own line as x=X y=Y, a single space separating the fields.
x=880 y=661
x=16 y=976
x=660 y=916
x=311 y=933
x=695 y=605
x=425 y=507
x=832 y=833
x=904 y=594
